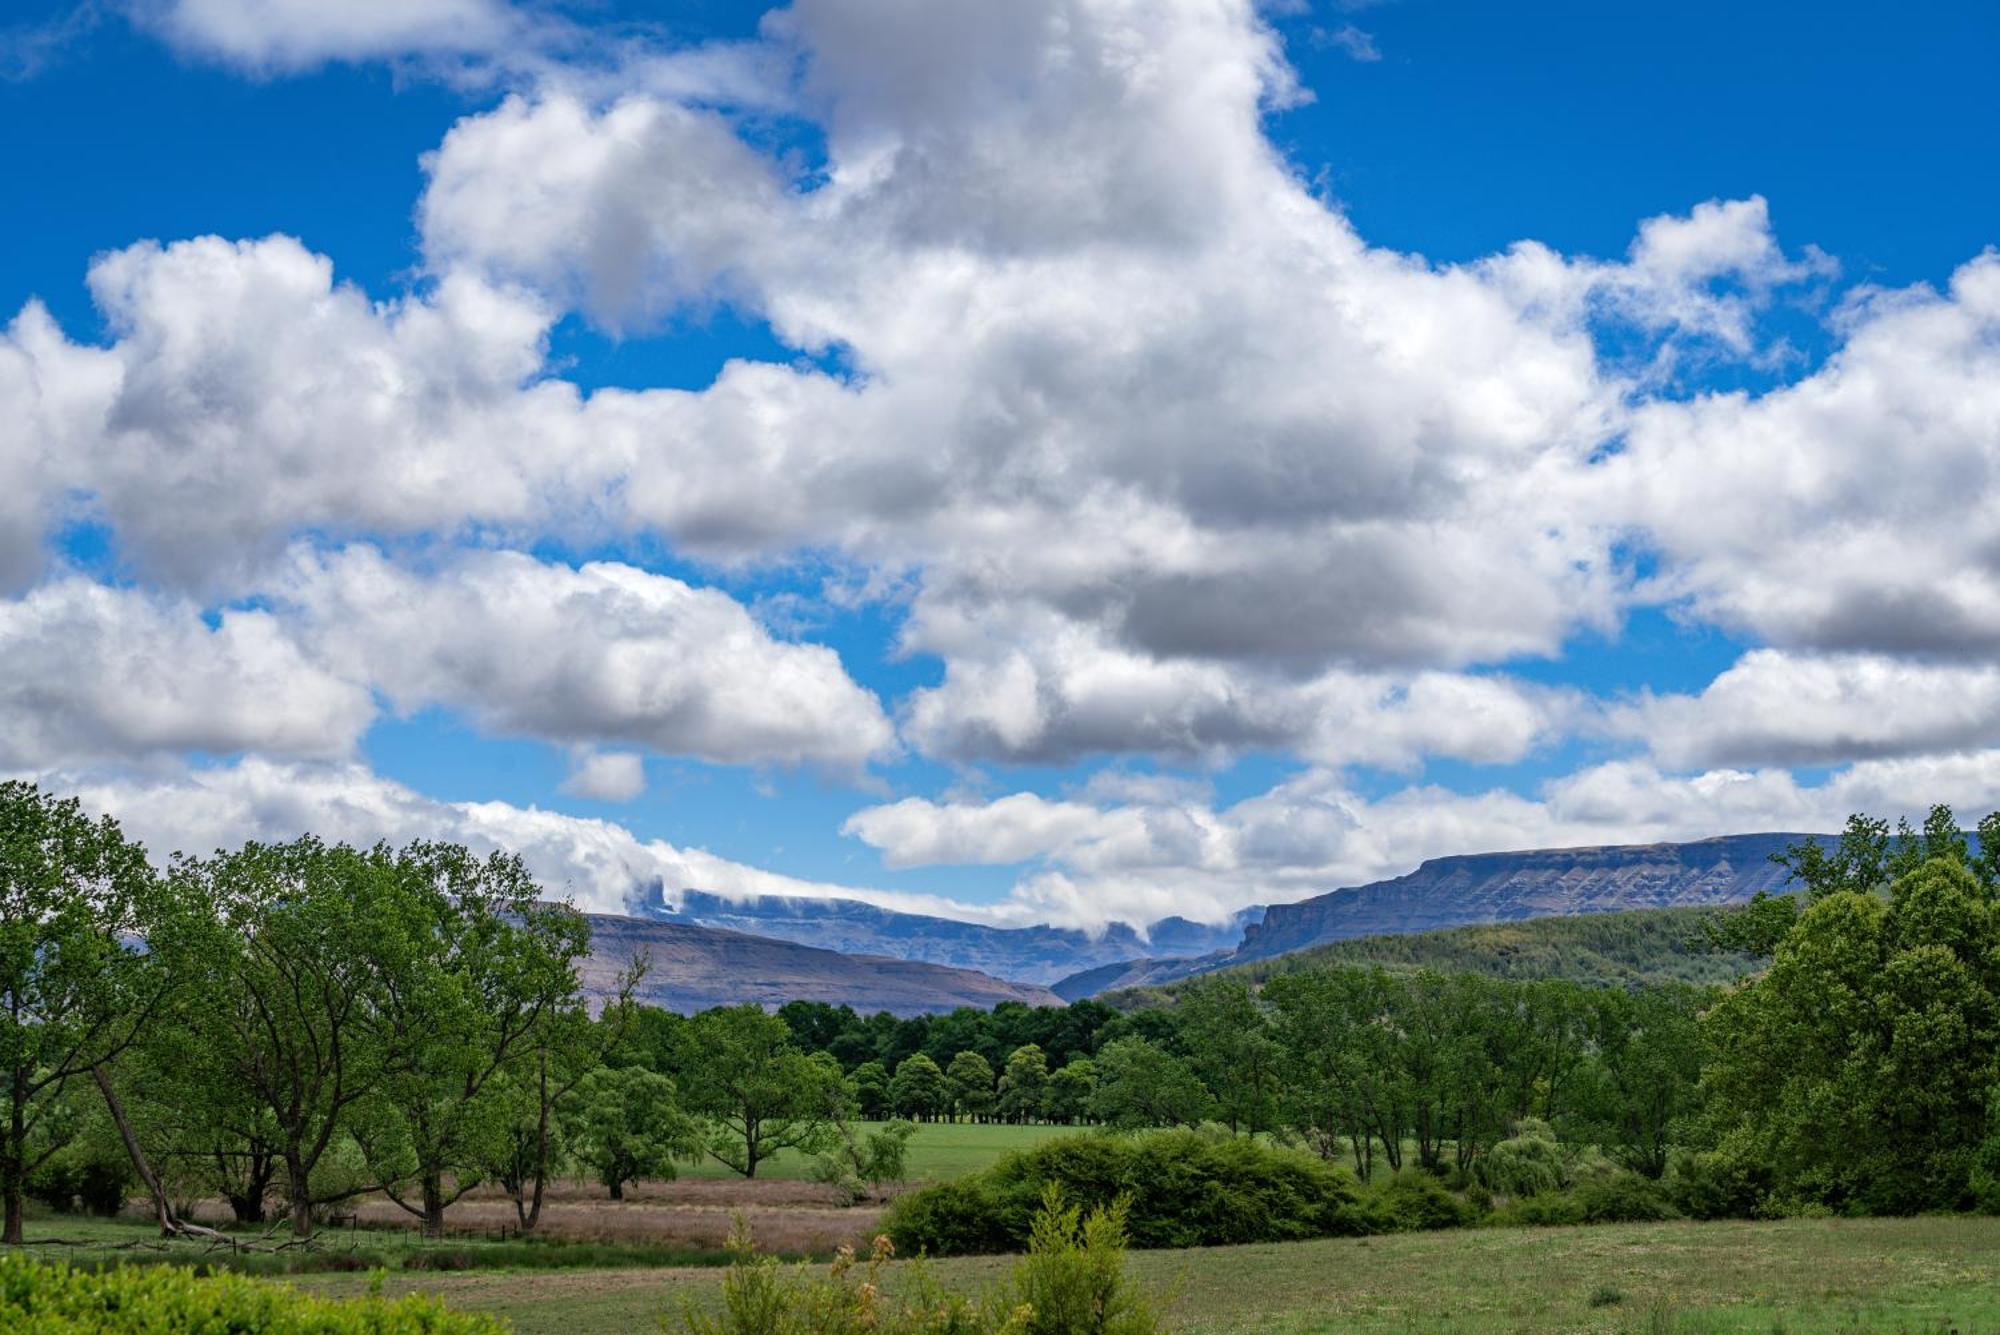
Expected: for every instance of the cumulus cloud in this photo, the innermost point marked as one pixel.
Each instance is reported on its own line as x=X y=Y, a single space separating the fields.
x=1853 y=510
x=604 y=652
x=97 y=673
x=1776 y=707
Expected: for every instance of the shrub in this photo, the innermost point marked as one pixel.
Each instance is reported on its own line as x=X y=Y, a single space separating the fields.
x=1528 y=1164
x=86 y=1177
x=1413 y=1201
x=859 y=1163
x=1717 y=1184
x=1184 y=1189
x=1624 y=1198
x=1071 y=1282
x=1550 y=1209
x=62 y=1301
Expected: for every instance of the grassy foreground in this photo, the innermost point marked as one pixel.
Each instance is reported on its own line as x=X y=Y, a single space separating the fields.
x=1933 y=1274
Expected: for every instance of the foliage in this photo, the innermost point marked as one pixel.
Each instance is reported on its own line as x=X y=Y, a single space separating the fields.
x=972 y=1083
x=1414 y=1200
x=1184 y=1189
x=625 y=1124
x=760 y=1093
x=75 y=989
x=1624 y=1198
x=1071 y=1090
x=1859 y=1069
x=1628 y=948
x=1527 y=1163
x=38 y=1299
x=862 y=1160
x=919 y=1089
x=1072 y=1281
x=1024 y=1084
x=1141 y=1085
x=1227 y=1036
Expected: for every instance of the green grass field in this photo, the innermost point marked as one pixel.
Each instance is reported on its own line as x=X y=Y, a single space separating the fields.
x=939 y=1151
x=1937 y=1274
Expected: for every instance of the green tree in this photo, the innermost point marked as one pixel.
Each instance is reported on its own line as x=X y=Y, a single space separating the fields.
x=1070 y=1090
x=1227 y=1037
x=1859 y=1069
x=1325 y=1073
x=569 y=1046
x=1643 y=1082
x=626 y=1124
x=870 y=1087
x=972 y=1082
x=1024 y=1085
x=761 y=1095
x=919 y=1089
x=482 y=966
x=1140 y=1084
x=305 y=939
x=75 y=988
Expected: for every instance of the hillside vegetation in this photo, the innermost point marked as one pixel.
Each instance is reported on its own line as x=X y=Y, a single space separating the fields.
x=1638 y=947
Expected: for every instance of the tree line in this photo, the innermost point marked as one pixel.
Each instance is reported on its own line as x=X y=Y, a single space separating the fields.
x=307 y=1023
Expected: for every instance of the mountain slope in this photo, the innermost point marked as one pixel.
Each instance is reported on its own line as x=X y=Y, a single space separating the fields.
x=1027 y=954
x=695 y=967
x=1491 y=888
x=1622 y=948
x=1500 y=887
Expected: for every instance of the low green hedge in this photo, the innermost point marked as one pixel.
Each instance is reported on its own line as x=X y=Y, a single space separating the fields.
x=1185 y=1189
x=41 y=1299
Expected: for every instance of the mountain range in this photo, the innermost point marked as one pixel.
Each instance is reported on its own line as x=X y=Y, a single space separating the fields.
x=692 y=968
x=707 y=950
x=1487 y=888
x=1039 y=954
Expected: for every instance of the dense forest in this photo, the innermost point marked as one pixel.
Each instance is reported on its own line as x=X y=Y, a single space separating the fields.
x=305 y=1023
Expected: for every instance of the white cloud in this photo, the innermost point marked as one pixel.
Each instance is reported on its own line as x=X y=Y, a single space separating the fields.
x=608 y=776
x=96 y=673
x=1854 y=510
x=601 y=653
x=289 y=35
x=1774 y=707
x=1164 y=457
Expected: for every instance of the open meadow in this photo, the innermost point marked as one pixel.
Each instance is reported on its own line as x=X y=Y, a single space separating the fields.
x=1924 y=1274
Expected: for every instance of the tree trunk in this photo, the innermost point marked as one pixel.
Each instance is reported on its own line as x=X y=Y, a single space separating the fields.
x=161 y=1209
x=618 y=1190
x=433 y=1206
x=301 y=1194
x=541 y=1173
x=12 y=1169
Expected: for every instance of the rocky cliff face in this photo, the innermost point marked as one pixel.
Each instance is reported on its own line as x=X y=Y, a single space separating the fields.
x=1025 y=954
x=1499 y=887
x=695 y=967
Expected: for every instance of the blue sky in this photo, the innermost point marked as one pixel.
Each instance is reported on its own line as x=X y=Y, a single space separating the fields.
x=1636 y=669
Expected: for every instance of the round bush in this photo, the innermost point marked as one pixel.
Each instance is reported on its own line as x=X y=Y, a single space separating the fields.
x=1413 y=1200
x=1624 y=1198
x=1528 y=1164
x=1185 y=1189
